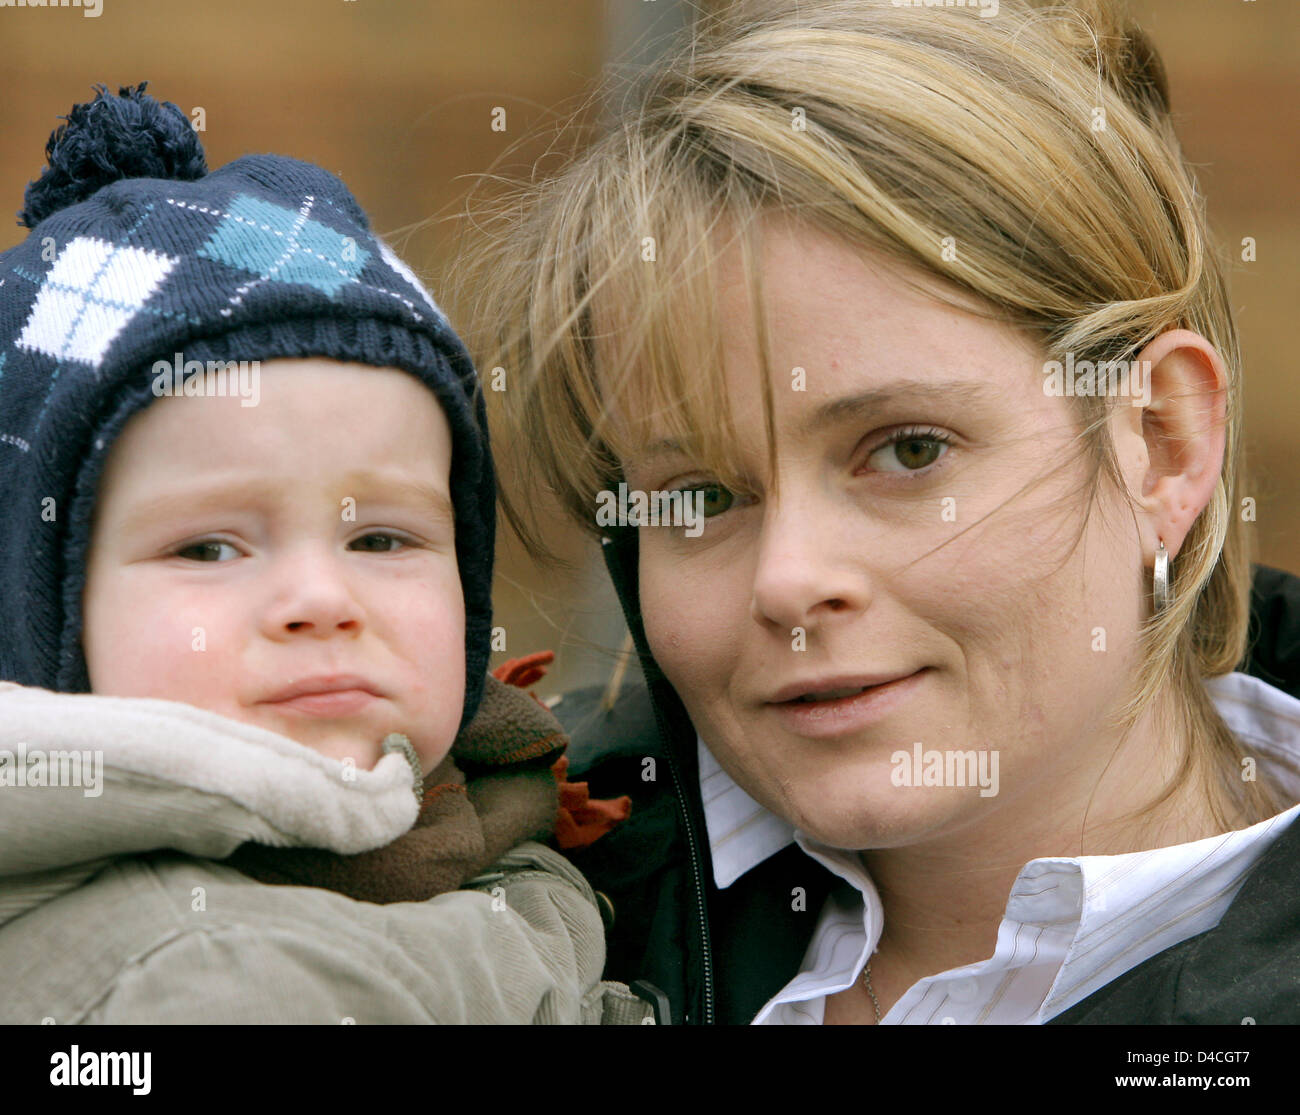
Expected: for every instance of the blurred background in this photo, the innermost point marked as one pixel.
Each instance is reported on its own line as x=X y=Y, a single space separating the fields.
x=396 y=97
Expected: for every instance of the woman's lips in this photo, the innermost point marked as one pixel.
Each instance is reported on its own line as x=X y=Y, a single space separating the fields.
x=825 y=719
x=337 y=702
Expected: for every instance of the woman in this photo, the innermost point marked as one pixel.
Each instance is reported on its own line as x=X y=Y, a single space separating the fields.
x=918 y=312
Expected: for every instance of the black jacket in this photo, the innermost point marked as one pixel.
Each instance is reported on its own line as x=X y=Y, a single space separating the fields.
x=720 y=955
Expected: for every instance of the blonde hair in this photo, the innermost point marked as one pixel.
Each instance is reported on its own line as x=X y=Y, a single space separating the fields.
x=891 y=128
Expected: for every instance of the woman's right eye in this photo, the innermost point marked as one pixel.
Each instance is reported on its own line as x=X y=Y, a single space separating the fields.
x=205 y=551
x=716 y=498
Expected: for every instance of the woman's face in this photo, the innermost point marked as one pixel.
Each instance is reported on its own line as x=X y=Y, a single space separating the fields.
x=887 y=554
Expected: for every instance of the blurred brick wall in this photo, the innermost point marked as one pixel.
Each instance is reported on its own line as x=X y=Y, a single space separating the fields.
x=1233 y=84
x=394 y=96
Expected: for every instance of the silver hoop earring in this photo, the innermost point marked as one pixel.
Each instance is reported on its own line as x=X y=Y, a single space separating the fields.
x=1163 y=591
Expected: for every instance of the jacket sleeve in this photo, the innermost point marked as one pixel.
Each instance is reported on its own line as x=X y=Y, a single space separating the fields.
x=525 y=945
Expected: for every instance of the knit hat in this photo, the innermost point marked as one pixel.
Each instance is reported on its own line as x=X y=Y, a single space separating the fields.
x=137 y=253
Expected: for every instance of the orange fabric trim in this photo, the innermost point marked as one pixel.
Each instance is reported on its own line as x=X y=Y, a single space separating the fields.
x=536 y=748
x=526 y=671
x=434 y=791
x=582 y=820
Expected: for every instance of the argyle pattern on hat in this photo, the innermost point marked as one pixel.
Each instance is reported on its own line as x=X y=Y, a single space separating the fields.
x=280 y=246
x=90 y=295
x=266 y=258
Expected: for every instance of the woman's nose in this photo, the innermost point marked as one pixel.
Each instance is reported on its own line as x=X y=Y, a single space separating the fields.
x=807 y=566
x=312 y=596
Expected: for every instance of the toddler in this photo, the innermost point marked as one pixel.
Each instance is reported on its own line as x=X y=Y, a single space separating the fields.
x=246 y=561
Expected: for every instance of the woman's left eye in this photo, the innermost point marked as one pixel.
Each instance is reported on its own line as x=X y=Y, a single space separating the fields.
x=912 y=450
x=383 y=537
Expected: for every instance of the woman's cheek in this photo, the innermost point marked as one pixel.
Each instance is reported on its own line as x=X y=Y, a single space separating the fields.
x=685 y=627
x=659 y=614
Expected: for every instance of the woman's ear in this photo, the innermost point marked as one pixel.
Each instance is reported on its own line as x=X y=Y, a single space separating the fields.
x=1170 y=443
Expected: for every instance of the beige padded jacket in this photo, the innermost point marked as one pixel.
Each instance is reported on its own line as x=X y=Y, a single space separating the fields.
x=115 y=814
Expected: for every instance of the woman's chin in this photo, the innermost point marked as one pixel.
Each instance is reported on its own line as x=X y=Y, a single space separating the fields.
x=872 y=812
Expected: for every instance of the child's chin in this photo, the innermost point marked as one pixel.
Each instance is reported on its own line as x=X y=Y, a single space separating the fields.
x=361 y=747
x=360 y=753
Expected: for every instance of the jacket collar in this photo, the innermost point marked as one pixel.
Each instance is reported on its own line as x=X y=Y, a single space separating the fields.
x=160 y=774
x=620 y=552
x=87 y=777
x=742 y=833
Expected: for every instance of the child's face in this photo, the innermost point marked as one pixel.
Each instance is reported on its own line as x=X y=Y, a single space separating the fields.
x=237 y=551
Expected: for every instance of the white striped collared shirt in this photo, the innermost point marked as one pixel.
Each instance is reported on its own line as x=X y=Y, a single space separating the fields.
x=1071 y=925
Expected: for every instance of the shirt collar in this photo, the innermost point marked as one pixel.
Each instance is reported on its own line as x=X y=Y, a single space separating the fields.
x=742 y=834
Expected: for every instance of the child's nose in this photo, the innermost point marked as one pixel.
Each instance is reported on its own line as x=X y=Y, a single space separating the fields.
x=313 y=598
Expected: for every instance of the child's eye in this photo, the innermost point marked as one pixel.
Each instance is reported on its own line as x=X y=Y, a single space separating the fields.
x=914 y=450
x=206 y=551
x=383 y=537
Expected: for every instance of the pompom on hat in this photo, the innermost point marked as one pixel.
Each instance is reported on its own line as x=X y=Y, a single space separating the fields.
x=137 y=253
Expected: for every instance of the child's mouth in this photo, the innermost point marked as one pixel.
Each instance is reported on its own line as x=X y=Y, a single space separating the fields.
x=338 y=702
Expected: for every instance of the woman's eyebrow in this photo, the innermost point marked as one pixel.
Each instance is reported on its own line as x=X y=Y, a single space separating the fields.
x=961 y=392
x=922 y=391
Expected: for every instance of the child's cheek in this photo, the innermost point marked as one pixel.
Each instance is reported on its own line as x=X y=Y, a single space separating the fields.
x=431 y=628
x=198 y=646
x=426 y=616
x=164 y=641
